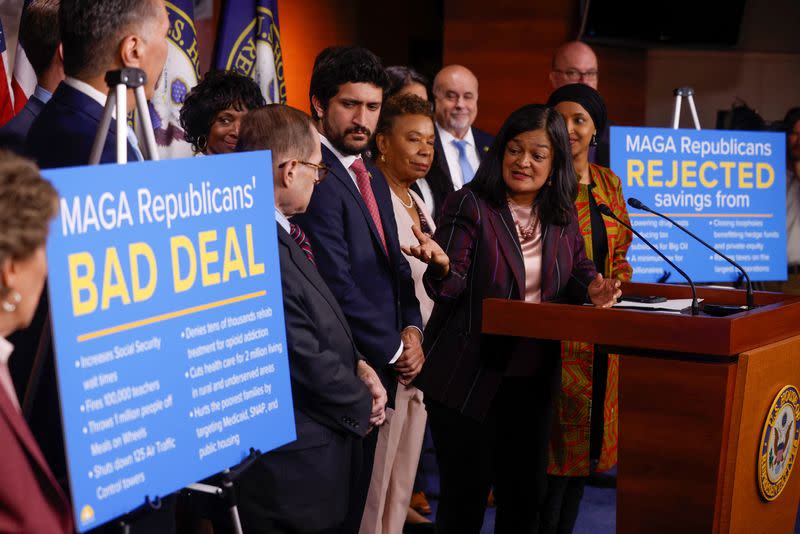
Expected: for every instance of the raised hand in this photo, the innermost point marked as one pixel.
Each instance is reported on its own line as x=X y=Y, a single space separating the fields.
x=604 y=293
x=428 y=251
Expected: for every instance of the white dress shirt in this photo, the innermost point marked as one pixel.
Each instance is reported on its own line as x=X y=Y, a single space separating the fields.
x=451 y=154
x=346 y=161
x=100 y=98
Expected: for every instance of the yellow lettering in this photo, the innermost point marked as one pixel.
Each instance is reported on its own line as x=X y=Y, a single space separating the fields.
x=728 y=166
x=254 y=268
x=178 y=243
x=80 y=283
x=688 y=171
x=207 y=257
x=113 y=280
x=654 y=171
x=674 y=180
x=762 y=168
x=635 y=171
x=136 y=251
x=233 y=260
x=745 y=174
x=703 y=180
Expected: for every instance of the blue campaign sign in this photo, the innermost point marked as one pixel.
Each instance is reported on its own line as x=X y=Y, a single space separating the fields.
x=727 y=187
x=167 y=312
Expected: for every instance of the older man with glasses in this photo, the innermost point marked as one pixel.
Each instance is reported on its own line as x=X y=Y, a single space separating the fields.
x=576 y=62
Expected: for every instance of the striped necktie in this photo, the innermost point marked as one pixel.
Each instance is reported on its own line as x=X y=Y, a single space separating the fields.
x=300 y=238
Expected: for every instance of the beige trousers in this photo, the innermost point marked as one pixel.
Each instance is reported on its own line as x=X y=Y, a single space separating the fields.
x=396 y=458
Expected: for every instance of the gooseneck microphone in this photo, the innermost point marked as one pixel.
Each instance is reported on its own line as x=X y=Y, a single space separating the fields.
x=639 y=205
x=605 y=210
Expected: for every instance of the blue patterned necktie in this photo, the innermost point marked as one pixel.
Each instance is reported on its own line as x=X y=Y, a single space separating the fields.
x=467 y=172
x=300 y=238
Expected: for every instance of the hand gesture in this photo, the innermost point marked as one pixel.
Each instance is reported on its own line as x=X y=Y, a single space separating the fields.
x=604 y=293
x=409 y=364
x=428 y=251
x=368 y=375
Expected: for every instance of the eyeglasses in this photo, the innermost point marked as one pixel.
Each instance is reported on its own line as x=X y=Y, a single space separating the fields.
x=322 y=169
x=575 y=75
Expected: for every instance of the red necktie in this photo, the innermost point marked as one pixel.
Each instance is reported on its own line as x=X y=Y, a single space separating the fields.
x=365 y=187
x=300 y=237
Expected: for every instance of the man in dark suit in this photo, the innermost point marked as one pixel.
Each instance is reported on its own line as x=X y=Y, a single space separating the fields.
x=459 y=147
x=304 y=486
x=97 y=37
x=351 y=225
x=38 y=34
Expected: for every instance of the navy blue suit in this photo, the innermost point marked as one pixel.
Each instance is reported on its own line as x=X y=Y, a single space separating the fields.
x=63 y=134
x=375 y=292
x=15 y=131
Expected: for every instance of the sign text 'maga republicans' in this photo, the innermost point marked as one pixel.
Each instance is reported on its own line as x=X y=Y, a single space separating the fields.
x=168 y=325
x=728 y=187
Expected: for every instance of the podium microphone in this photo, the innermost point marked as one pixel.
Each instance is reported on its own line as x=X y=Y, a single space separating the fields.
x=605 y=210
x=636 y=203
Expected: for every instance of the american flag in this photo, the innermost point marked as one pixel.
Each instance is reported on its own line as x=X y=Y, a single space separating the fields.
x=6 y=103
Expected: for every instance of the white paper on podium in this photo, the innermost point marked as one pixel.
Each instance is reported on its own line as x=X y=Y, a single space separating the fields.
x=672 y=305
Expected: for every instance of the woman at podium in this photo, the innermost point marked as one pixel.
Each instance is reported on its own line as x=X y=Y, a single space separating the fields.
x=30 y=498
x=511 y=233
x=585 y=436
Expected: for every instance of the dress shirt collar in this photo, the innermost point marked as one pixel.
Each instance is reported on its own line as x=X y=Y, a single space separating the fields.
x=283 y=221
x=447 y=138
x=42 y=94
x=86 y=89
x=346 y=161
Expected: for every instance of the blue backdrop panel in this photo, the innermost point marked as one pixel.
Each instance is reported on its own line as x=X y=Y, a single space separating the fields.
x=728 y=187
x=168 y=325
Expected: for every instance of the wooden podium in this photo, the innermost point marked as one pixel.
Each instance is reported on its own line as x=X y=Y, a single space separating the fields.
x=694 y=394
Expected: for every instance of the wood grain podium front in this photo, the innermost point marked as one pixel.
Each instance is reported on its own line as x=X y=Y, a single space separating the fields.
x=694 y=394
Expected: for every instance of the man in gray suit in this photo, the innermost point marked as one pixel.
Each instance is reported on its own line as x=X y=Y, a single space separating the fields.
x=304 y=486
x=40 y=38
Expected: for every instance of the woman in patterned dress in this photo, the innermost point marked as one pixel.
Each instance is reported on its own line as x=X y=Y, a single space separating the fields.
x=585 y=438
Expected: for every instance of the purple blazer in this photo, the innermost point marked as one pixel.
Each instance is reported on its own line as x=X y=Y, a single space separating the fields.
x=464 y=368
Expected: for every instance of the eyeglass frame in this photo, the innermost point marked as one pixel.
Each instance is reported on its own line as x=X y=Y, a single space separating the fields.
x=322 y=169
x=575 y=75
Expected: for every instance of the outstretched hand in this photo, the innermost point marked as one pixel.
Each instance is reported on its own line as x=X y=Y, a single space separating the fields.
x=604 y=293
x=428 y=251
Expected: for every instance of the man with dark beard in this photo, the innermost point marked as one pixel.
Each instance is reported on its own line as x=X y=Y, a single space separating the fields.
x=350 y=223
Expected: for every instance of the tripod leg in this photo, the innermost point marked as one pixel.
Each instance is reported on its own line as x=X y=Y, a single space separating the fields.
x=694 y=112
x=237 y=523
x=676 y=113
x=102 y=130
x=147 y=124
x=122 y=123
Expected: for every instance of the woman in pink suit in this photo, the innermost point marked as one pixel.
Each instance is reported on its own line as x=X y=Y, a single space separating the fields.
x=30 y=499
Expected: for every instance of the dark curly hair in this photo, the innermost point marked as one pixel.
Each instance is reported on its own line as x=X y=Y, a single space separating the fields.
x=401 y=76
x=218 y=91
x=395 y=107
x=338 y=65
x=554 y=201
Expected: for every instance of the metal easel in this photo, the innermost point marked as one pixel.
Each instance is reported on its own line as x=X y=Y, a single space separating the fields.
x=681 y=93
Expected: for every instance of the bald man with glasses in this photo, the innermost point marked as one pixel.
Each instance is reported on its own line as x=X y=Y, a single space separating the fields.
x=576 y=62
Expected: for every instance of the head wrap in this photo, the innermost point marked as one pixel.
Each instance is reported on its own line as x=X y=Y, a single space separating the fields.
x=587 y=97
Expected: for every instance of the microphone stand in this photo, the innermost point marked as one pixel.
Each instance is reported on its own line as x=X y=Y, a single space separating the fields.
x=605 y=210
x=636 y=203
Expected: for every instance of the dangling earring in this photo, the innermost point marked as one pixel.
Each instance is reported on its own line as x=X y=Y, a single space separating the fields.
x=549 y=181
x=202 y=143
x=383 y=158
x=16 y=298
x=593 y=141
